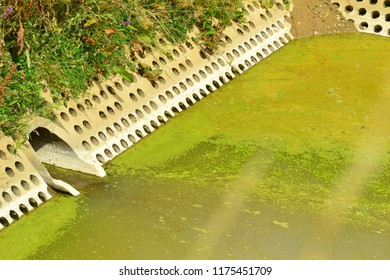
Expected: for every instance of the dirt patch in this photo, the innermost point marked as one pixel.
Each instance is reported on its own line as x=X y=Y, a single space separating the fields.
x=316 y=17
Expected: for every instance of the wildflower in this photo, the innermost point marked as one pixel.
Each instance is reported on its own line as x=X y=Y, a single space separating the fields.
x=126 y=23
x=7 y=12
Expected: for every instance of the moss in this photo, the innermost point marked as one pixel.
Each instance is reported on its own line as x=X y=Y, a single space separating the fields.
x=297 y=118
x=38 y=229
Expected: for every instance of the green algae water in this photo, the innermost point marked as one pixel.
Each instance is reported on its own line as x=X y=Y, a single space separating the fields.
x=291 y=160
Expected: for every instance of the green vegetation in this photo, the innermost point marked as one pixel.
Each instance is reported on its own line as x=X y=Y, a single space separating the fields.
x=65 y=45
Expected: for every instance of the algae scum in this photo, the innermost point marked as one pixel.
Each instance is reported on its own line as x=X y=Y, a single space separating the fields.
x=291 y=160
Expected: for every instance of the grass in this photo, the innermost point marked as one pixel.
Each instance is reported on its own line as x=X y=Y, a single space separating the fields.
x=65 y=45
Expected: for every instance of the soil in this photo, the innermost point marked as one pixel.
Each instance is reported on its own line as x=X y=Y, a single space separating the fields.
x=318 y=17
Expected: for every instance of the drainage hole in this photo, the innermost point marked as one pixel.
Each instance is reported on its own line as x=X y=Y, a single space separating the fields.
x=147 y=129
x=103 y=94
x=116 y=148
x=78 y=129
x=7 y=197
x=94 y=140
x=363 y=25
x=96 y=99
x=176 y=90
x=118 y=86
x=203 y=54
x=183 y=86
x=139 y=113
x=125 y=122
x=87 y=125
x=189 y=63
x=102 y=115
x=118 y=106
x=169 y=94
x=108 y=153
x=42 y=196
x=348 y=8
x=139 y=133
x=131 y=138
x=88 y=103
x=153 y=105
x=4 y=222
x=133 y=97
x=189 y=45
x=102 y=136
x=100 y=158
x=117 y=127
x=189 y=102
x=25 y=185
x=154 y=124
x=162 y=60
x=146 y=109
x=124 y=144
x=377 y=28
x=14 y=215
x=176 y=53
x=110 y=131
x=72 y=112
x=132 y=118
x=33 y=202
x=86 y=145
x=140 y=92
x=182 y=106
x=375 y=14
x=15 y=190
x=162 y=99
x=110 y=110
x=196 y=77
x=64 y=116
x=23 y=208
x=175 y=71
x=228 y=39
x=182 y=67
x=161 y=119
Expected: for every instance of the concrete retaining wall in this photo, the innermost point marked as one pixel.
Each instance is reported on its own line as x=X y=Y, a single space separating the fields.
x=369 y=16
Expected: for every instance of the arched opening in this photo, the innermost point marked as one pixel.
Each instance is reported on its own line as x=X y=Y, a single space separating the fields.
x=51 y=149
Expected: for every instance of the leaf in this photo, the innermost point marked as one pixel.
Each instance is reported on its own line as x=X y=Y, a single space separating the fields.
x=209 y=32
x=91 y=22
x=28 y=60
x=124 y=73
x=20 y=39
x=146 y=39
x=267 y=4
x=144 y=66
x=152 y=75
x=110 y=31
x=110 y=49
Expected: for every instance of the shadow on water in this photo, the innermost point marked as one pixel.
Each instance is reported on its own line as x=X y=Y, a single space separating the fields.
x=289 y=161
